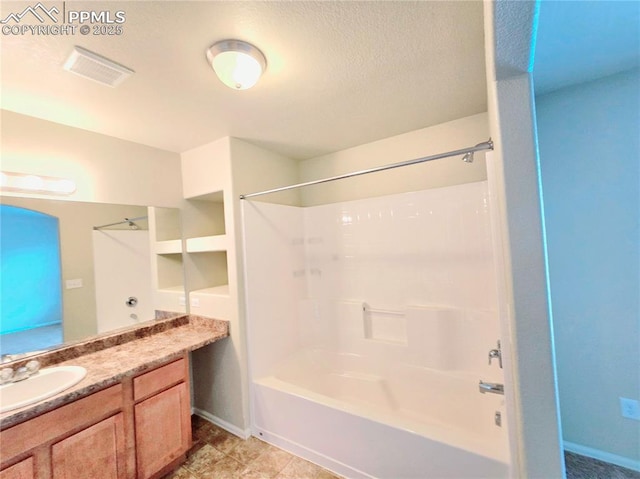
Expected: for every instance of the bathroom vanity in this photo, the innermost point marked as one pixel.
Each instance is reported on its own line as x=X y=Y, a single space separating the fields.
x=129 y=418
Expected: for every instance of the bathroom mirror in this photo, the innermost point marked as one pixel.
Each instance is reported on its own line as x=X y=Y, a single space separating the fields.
x=111 y=272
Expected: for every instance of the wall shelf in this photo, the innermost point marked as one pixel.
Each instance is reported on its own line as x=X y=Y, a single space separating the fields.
x=204 y=216
x=206 y=246
x=207 y=243
x=168 y=247
x=165 y=235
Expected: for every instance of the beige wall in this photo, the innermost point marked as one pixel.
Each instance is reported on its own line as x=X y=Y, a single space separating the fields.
x=106 y=169
x=441 y=138
x=76 y=254
x=256 y=169
x=591 y=219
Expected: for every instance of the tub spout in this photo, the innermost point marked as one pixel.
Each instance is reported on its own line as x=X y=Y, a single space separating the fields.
x=494 y=388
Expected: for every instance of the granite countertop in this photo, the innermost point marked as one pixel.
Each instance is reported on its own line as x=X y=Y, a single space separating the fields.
x=121 y=355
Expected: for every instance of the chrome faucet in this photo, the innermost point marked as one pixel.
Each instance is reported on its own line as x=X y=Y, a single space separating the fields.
x=8 y=375
x=6 y=358
x=494 y=388
x=496 y=353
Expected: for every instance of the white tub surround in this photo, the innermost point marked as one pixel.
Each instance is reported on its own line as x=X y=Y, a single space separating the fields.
x=370 y=323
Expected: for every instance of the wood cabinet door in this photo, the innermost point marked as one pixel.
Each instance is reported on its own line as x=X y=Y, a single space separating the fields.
x=21 y=470
x=163 y=429
x=97 y=452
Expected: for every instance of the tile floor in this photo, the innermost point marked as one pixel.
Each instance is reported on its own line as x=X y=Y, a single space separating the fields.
x=217 y=454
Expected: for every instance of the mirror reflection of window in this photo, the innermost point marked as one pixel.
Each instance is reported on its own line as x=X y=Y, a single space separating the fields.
x=30 y=281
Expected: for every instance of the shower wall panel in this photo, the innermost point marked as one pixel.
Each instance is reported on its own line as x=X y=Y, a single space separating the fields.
x=407 y=277
x=275 y=278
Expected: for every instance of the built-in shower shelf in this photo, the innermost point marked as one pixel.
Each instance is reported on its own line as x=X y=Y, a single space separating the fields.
x=207 y=243
x=215 y=302
x=169 y=247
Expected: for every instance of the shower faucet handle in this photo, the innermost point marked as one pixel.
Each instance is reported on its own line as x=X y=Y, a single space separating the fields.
x=496 y=353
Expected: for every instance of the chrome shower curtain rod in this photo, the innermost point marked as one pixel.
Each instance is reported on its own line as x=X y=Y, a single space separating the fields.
x=466 y=152
x=126 y=220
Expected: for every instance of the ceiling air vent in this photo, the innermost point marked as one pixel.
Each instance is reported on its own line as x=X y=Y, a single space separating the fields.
x=95 y=67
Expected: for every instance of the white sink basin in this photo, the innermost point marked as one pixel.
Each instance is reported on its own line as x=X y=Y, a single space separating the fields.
x=42 y=385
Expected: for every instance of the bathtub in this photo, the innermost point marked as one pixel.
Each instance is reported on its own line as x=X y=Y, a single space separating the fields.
x=362 y=418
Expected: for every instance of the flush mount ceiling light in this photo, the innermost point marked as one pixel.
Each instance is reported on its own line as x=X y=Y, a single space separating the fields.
x=10 y=181
x=238 y=64
x=96 y=67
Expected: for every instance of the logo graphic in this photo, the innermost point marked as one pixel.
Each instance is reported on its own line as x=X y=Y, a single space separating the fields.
x=40 y=20
x=17 y=17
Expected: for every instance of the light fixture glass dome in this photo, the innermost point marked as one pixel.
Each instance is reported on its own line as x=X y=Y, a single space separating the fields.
x=238 y=64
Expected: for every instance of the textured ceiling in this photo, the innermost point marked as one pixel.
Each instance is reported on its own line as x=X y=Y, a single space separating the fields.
x=339 y=73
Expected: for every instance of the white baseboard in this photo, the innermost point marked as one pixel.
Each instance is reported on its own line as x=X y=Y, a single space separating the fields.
x=602 y=456
x=244 y=434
